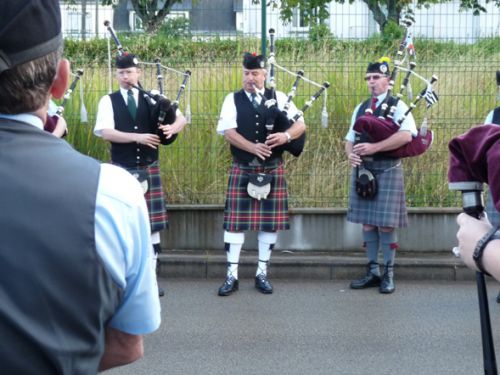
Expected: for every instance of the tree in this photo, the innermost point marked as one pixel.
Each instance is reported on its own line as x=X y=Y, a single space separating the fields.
x=152 y=13
x=384 y=11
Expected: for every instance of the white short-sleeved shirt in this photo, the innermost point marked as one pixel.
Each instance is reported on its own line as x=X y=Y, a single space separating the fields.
x=489 y=117
x=105 y=117
x=407 y=125
x=227 y=119
x=123 y=242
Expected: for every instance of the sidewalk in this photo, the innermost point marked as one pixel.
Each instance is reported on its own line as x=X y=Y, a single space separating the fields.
x=312 y=265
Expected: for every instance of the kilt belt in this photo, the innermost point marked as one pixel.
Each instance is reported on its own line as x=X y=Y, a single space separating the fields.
x=155 y=197
x=388 y=208
x=243 y=212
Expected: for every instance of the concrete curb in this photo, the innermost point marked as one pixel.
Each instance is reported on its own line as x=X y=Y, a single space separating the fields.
x=311 y=265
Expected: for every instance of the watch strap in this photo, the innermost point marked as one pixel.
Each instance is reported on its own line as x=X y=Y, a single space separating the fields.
x=481 y=245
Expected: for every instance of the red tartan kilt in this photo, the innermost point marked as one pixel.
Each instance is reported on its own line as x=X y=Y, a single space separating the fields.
x=243 y=212
x=155 y=197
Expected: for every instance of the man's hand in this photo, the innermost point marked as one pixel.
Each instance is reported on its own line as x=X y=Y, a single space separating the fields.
x=362 y=149
x=470 y=232
x=169 y=130
x=354 y=160
x=276 y=139
x=150 y=140
x=262 y=150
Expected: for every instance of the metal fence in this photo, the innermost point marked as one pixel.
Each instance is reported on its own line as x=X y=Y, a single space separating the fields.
x=236 y=18
x=195 y=166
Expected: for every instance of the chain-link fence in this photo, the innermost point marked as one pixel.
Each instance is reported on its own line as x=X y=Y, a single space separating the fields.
x=195 y=166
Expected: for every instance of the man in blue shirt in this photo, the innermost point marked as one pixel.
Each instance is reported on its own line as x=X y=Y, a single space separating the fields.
x=76 y=260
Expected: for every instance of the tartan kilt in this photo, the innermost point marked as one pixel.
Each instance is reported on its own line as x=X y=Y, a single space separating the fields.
x=155 y=198
x=388 y=208
x=243 y=212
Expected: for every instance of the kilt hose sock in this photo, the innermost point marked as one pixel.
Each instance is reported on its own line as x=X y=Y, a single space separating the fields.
x=389 y=244
x=267 y=240
x=371 y=241
x=233 y=242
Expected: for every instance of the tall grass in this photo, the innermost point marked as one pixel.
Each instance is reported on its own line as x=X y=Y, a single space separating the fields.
x=195 y=167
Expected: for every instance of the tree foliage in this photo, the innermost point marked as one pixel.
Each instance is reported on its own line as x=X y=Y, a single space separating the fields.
x=152 y=13
x=316 y=11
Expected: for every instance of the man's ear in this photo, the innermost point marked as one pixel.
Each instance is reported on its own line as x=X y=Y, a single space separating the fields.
x=61 y=80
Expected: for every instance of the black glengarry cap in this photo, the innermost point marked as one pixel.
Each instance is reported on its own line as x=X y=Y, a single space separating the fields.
x=253 y=61
x=29 y=29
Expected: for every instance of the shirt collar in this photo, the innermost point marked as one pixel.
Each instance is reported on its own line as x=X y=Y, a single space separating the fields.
x=25 y=117
x=381 y=97
x=261 y=92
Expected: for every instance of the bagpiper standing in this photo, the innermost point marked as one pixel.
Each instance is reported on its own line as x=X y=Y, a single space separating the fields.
x=257 y=197
x=382 y=213
x=124 y=118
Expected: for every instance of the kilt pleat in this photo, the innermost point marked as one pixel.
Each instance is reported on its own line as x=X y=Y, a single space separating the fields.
x=155 y=197
x=388 y=208
x=243 y=212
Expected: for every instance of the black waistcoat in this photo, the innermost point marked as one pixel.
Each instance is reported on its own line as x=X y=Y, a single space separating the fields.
x=132 y=154
x=56 y=297
x=496 y=116
x=251 y=125
x=366 y=104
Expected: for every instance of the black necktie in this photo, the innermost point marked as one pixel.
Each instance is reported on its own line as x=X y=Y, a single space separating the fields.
x=132 y=107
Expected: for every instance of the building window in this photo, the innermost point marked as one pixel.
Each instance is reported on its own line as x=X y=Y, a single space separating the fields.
x=298 y=19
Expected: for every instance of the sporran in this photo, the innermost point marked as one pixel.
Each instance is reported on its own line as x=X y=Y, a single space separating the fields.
x=366 y=183
x=142 y=177
x=259 y=185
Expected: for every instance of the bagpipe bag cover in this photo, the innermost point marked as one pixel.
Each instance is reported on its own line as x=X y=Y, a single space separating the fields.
x=475 y=156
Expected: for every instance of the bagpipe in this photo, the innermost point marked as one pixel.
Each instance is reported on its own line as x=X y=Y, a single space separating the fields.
x=51 y=122
x=163 y=110
x=473 y=161
x=277 y=120
x=370 y=128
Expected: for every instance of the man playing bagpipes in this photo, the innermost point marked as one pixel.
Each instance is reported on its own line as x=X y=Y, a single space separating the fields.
x=128 y=122
x=474 y=161
x=377 y=196
x=493 y=117
x=257 y=197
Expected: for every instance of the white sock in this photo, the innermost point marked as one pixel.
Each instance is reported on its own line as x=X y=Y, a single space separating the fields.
x=155 y=237
x=233 y=242
x=266 y=244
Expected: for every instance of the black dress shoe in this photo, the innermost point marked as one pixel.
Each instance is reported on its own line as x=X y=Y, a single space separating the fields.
x=161 y=292
x=387 y=284
x=369 y=281
x=230 y=285
x=263 y=284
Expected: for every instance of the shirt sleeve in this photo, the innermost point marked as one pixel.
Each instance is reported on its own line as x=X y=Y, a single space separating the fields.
x=489 y=118
x=409 y=122
x=282 y=98
x=351 y=136
x=227 y=119
x=123 y=242
x=105 y=118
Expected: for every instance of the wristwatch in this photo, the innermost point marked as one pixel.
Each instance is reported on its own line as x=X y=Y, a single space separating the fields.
x=492 y=234
x=288 y=137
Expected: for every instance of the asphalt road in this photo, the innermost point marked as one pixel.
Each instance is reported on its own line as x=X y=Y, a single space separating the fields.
x=317 y=327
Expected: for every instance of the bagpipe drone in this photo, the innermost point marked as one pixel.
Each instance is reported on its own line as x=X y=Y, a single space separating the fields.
x=277 y=120
x=51 y=122
x=370 y=128
x=162 y=109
